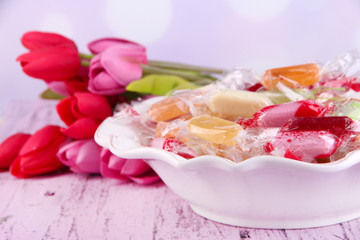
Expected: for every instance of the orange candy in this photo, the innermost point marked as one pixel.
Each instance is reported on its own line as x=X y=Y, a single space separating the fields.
x=171 y=129
x=166 y=130
x=303 y=75
x=167 y=109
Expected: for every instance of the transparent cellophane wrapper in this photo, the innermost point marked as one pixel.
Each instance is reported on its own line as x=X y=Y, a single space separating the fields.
x=336 y=91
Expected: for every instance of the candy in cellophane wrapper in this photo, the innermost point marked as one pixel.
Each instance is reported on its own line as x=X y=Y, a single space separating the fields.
x=134 y=116
x=209 y=135
x=350 y=109
x=305 y=112
x=293 y=76
x=240 y=79
x=181 y=103
x=306 y=146
x=310 y=139
x=253 y=141
x=344 y=66
x=277 y=115
x=340 y=79
x=174 y=146
x=350 y=141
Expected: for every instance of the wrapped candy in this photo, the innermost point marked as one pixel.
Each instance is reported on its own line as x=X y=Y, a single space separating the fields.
x=294 y=76
x=336 y=125
x=278 y=115
x=241 y=79
x=306 y=112
x=303 y=145
x=174 y=146
x=232 y=104
x=214 y=129
x=309 y=138
x=168 y=109
x=182 y=103
x=128 y=116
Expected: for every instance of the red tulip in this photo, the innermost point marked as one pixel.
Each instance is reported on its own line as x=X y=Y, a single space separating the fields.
x=83 y=113
x=38 y=155
x=51 y=57
x=10 y=147
x=69 y=87
x=37 y=40
x=57 y=63
x=79 y=83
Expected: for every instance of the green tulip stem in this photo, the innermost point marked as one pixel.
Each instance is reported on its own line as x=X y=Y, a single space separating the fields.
x=86 y=56
x=181 y=66
x=85 y=63
x=147 y=69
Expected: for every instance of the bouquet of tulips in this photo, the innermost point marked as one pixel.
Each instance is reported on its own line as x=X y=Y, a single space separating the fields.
x=88 y=87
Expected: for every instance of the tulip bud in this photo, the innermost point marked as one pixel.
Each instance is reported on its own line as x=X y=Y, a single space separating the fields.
x=38 y=155
x=10 y=147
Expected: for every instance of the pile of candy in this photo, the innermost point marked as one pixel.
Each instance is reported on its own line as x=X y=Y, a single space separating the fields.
x=306 y=112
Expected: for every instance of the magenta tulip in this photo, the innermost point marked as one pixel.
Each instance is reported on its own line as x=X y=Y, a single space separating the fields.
x=82 y=156
x=125 y=170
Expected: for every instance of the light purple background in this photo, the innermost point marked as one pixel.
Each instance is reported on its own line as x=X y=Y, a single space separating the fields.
x=229 y=33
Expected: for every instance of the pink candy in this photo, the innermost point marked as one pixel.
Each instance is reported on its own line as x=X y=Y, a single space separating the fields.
x=303 y=145
x=309 y=138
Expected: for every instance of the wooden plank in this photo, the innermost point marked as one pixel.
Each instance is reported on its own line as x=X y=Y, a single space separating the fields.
x=74 y=206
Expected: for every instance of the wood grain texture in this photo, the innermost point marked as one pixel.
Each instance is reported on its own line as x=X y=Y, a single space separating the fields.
x=75 y=206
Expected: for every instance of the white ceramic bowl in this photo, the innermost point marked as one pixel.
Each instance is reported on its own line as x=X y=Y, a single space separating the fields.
x=261 y=192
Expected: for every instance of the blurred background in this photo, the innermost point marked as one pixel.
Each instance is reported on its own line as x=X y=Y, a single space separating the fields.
x=231 y=33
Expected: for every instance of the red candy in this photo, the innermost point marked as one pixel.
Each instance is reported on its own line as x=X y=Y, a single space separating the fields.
x=335 y=125
x=278 y=115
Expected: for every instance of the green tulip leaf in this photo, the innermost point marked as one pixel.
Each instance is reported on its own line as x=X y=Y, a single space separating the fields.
x=50 y=94
x=159 y=84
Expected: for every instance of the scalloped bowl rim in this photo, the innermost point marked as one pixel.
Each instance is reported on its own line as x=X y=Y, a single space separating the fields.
x=351 y=159
x=176 y=160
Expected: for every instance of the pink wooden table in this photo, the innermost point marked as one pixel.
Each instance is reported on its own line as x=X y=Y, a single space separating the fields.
x=73 y=206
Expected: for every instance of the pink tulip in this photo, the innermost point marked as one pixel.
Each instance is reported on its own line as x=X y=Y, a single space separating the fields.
x=125 y=170
x=100 y=45
x=117 y=64
x=82 y=156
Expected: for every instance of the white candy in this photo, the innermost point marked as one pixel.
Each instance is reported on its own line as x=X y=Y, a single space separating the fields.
x=232 y=104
